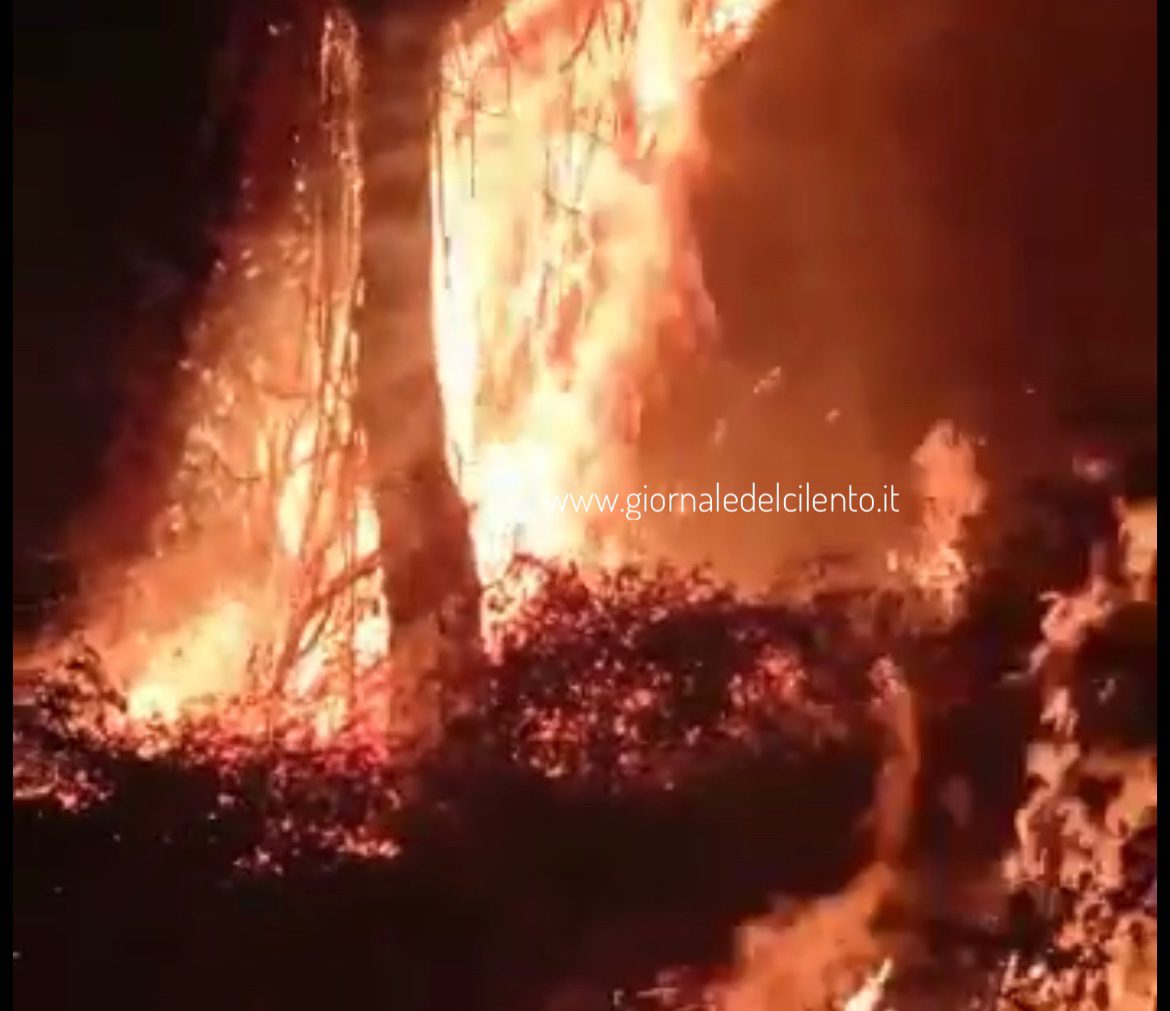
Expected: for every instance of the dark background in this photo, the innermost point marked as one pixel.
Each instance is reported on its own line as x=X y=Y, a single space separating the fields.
x=118 y=173
x=917 y=209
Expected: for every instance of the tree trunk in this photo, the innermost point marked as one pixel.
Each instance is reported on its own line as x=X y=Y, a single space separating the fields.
x=428 y=559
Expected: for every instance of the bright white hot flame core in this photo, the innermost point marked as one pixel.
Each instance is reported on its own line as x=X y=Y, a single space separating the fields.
x=565 y=142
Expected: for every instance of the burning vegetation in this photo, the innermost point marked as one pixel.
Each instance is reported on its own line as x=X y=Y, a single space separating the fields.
x=352 y=665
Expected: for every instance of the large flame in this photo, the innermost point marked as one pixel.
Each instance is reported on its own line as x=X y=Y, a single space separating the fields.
x=1070 y=857
x=809 y=957
x=564 y=145
x=263 y=576
x=566 y=141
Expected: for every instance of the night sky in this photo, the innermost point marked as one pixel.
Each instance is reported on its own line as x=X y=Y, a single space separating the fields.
x=918 y=209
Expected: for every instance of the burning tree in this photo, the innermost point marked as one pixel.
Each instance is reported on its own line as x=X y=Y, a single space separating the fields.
x=427 y=556
x=461 y=240
x=459 y=244
x=267 y=574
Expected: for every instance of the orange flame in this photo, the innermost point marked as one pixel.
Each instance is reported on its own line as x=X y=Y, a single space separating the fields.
x=264 y=571
x=566 y=139
x=1064 y=848
x=563 y=149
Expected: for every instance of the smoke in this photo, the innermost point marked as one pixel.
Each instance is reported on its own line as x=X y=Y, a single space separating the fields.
x=913 y=211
